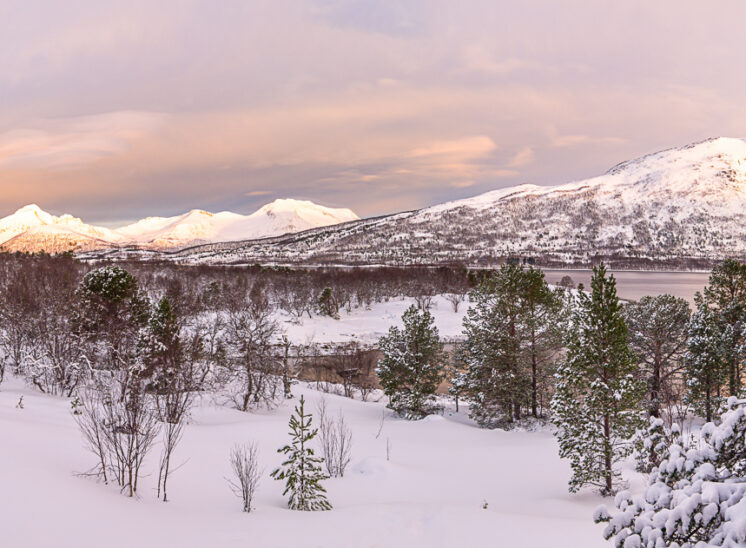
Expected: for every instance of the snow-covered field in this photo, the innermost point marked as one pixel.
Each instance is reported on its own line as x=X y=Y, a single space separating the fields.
x=430 y=493
x=367 y=325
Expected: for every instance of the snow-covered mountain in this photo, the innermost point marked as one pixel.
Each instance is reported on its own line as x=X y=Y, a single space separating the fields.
x=682 y=206
x=31 y=229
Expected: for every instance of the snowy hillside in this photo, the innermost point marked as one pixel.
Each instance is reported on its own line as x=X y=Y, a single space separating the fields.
x=32 y=229
x=430 y=493
x=681 y=204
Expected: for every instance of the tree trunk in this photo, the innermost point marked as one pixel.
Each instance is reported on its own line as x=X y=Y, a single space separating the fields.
x=607 y=454
x=534 y=383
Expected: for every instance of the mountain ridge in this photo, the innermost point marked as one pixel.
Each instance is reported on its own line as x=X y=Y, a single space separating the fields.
x=31 y=229
x=683 y=205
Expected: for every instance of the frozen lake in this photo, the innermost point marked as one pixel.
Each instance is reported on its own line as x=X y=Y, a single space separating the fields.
x=633 y=285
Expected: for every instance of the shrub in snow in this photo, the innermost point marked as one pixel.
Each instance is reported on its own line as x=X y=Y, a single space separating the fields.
x=244 y=461
x=253 y=373
x=650 y=444
x=596 y=402
x=119 y=423
x=336 y=441
x=413 y=364
x=302 y=469
x=695 y=497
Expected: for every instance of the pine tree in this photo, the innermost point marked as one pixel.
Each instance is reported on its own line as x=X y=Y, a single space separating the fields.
x=328 y=304
x=413 y=364
x=498 y=381
x=543 y=311
x=705 y=364
x=109 y=312
x=596 y=402
x=160 y=346
x=727 y=294
x=694 y=497
x=302 y=470
x=657 y=336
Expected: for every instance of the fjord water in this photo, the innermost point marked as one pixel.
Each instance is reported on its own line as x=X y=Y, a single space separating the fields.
x=635 y=284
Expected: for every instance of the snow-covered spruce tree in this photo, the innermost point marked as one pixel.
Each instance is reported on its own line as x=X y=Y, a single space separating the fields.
x=596 y=405
x=413 y=364
x=705 y=365
x=498 y=379
x=696 y=497
x=302 y=469
x=657 y=336
x=727 y=294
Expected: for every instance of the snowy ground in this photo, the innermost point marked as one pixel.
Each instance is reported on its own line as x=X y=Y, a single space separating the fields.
x=367 y=325
x=430 y=493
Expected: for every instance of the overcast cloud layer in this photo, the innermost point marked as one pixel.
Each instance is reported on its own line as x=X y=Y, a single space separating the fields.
x=117 y=110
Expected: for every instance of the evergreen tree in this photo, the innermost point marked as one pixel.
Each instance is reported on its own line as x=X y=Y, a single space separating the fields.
x=727 y=295
x=160 y=346
x=498 y=381
x=543 y=311
x=109 y=312
x=705 y=363
x=328 y=305
x=650 y=444
x=457 y=374
x=695 y=497
x=657 y=336
x=302 y=470
x=596 y=402
x=413 y=364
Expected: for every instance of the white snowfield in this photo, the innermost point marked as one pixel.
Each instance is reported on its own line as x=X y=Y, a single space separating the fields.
x=367 y=325
x=31 y=229
x=431 y=493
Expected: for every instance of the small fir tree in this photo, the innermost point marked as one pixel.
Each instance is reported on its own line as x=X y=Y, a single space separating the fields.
x=413 y=364
x=596 y=402
x=302 y=470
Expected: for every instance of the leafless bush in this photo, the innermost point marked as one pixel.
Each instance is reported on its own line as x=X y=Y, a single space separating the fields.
x=456 y=299
x=244 y=462
x=252 y=374
x=120 y=424
x=336 y=441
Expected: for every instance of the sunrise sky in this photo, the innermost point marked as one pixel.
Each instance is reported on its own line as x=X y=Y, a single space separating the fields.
x=117 y=110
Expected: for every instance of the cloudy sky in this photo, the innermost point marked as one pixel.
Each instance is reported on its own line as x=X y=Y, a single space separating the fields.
x=117 y=110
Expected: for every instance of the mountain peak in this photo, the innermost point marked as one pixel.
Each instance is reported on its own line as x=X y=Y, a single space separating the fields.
x=307 y=210
x=30 y=208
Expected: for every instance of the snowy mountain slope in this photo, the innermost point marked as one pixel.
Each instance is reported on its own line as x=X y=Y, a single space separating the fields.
x=31 y=229
x=678 y=205
x=32 y=217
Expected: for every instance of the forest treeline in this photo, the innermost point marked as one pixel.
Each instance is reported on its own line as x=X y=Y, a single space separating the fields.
x=132 y=344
